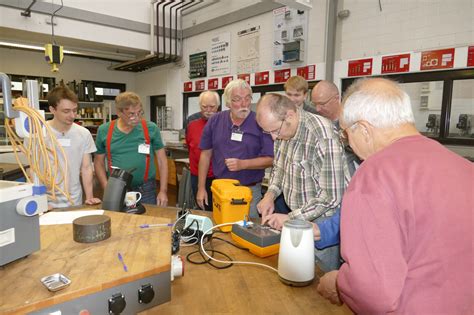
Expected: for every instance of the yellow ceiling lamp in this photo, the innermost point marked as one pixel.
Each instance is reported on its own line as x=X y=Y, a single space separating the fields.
x=53 y=53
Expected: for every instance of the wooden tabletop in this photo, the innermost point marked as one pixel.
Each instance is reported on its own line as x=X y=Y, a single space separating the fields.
x=240 y=289
x=91 y=267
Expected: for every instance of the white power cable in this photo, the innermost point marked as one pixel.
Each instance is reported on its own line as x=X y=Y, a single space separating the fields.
x=229 y=261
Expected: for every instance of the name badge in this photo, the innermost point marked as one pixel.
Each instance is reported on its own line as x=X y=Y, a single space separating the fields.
x=144 y=148
x=237 y=135
x=64 y=142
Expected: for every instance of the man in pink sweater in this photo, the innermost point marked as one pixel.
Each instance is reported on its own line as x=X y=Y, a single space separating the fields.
x=406 y=224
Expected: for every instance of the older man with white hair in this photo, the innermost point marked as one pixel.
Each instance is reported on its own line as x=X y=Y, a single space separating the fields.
x=209 y=102
x=236 y=144
x=406 y=218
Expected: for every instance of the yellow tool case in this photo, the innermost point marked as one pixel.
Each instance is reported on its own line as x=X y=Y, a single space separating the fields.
x=231 y=202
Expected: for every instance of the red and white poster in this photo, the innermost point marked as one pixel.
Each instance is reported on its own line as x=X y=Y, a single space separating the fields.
x=199 y=85
x=245 y=77
x=188 y=86
x=359 y=67
x=281 y=76
x=437 y=59
x=396 y=63
x=212 y=84
x=226 y=80
x=470 y=56
x=307 y=72
x=262 y=78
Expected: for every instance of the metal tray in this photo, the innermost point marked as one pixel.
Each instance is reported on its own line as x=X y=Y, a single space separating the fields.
x=55 y=282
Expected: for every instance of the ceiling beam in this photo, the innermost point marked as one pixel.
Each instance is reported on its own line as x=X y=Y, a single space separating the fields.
x=232 y=17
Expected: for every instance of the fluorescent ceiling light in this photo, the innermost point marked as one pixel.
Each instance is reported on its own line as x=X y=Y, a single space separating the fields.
x=85 y=53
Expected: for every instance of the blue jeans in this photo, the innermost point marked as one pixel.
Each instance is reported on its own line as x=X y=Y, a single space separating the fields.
x=148 y=191
x=194 y=186
x=256 y=197
x=329 y=258
x=281 y=206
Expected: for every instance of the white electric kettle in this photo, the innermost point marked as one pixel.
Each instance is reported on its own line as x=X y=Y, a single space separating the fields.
x=296 y=256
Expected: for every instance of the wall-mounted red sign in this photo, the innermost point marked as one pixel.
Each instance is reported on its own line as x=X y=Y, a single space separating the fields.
x=262 y=77
x=437 y=59
x=199 y=85
x=281 y=76
x=470 y=56
x=245 y=77
x=396 y=63
x=188 y=86
x=213 y=84
x=307 y=72
x=359 y=67
x=226 y=80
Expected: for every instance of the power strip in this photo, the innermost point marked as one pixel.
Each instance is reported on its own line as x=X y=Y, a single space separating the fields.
x=198 y=223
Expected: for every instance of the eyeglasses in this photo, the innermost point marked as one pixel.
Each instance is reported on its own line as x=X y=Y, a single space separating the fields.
x=133 y=114
x=275 y=132
x=322 y=104
x=238 y=99
x=343 y=132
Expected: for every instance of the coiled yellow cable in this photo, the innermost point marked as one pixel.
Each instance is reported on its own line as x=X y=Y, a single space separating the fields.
x=42 y=155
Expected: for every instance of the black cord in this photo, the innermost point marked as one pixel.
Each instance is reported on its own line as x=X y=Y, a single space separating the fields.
x=52 y=23
x=188 y=232
x=212 y=252
x=206 y=260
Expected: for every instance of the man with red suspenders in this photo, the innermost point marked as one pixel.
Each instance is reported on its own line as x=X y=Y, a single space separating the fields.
x=130 y=143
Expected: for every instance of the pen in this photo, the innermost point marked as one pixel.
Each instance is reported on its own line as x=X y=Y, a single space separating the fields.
x=123 y=262
x=145 y=226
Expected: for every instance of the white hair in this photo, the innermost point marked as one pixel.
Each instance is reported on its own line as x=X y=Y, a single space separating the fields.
x=381 y=102
x=218 y=99
x=239 y=83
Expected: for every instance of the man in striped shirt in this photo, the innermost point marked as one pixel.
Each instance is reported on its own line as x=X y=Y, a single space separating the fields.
x=309 y=167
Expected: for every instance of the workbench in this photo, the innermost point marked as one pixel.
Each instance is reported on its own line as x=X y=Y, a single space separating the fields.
x=94 y=268
x=240 y=289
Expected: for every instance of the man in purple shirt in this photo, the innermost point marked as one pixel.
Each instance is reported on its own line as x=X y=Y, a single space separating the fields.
x=237 y=145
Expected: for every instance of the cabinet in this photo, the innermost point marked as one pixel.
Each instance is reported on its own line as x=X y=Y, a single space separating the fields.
x=89 y=114
x=164 y=117
x=93 y=114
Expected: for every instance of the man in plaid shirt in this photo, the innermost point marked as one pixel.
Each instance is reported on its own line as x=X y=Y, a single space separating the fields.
x=309 y=168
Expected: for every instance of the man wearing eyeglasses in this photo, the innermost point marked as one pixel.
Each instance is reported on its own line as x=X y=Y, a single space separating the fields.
x=407 y=229
x=209 y=101
x=131 y=143
x=236 y=144
x=326 y=100
x=309 y=168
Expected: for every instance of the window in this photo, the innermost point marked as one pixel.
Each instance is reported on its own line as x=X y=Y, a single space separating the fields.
x=426 y=100
x=461 y=123
x=442 y=101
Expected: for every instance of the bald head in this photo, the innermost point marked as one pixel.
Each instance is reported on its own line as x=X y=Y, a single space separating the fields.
x=209 y=101
x=274 y=105
x=325 y=96
x=275 y=113
x=381 y=102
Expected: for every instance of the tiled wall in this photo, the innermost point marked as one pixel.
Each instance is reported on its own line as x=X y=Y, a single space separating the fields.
x=404 y=25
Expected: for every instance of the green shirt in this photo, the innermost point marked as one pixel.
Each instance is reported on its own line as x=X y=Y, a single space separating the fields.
x=124 y=149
